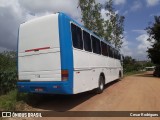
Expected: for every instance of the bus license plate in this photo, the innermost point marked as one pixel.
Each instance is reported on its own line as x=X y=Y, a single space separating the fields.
x=39 y=89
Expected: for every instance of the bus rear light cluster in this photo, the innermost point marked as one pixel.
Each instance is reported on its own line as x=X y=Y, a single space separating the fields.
x=64 y=74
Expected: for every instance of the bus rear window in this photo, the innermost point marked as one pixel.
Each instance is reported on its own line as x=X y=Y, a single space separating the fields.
x=76 y=36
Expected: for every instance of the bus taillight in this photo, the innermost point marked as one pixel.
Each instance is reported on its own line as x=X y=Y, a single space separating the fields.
x=64 y=74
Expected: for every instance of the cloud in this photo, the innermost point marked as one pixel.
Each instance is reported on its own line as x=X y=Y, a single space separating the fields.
x=101 y=1
x=138 y=50
x=139 y=31
x=125 y=50
x=52 y=6
x=155 y=14
x=2 y=49
x=104 y=12
x=126 y=12
x=10 y=18
x=15 y=12
x=136 y=5
x=119 y=2
x=143 y=45
x=152 y=2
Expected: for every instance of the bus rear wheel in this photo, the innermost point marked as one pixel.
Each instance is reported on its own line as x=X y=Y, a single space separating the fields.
x=100 y=85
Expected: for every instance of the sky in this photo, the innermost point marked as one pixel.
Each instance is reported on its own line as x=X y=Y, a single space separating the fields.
x=138 y=15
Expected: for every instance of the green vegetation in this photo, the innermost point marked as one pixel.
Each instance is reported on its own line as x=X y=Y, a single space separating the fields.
x=8 y=74
x=91 y=16
x=14 y=100
x=8 y=61
x=8 y=101
x=113 y=27
x=110 y=29
x=131 y=66
x=8 y=78
x=7 y=81
x=154 y=37
x=133 y=73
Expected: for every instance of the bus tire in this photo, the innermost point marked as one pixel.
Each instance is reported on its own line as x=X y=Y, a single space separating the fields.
x=100 y=85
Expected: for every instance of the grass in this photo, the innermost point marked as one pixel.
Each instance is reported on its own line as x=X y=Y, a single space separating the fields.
x=8 y=101
x=14 y=100
x=132 y=73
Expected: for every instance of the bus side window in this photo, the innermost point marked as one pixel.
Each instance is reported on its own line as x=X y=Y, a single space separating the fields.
x=96 y=45
x=110 y=51
x=76 y=36
x=107 y=47
x=115 y=55
x=119 y=56
x=87 y=41
x=104 y=48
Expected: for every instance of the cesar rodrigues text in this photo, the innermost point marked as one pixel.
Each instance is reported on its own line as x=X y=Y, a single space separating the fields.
x=143 y=115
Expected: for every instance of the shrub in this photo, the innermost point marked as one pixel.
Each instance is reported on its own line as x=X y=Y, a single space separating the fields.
x=7 y=81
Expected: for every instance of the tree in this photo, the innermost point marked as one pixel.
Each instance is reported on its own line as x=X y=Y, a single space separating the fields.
x=130 y=64
x=114 y=27
x=91 y=16
x=111 y=29
x=128 y=60
x=154 y=37
x=8 y=60
x=8 y=72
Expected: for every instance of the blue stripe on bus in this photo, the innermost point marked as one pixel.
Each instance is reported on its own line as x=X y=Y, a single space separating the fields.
x=48 y=87
x=66 y=48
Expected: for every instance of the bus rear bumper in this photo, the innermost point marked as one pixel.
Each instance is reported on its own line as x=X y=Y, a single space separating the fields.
x=45 y=87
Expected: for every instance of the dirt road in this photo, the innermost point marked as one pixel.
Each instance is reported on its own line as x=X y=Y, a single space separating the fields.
x=139 y=92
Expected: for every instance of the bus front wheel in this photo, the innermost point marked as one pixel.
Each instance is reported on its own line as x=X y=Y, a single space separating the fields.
x=100 y=85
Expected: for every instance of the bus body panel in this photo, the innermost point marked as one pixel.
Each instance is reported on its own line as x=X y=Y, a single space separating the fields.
x=45 y=87
x=86 y=74
x=56 y=59
x=66 y=49
x=38 y=48
x=84 y=68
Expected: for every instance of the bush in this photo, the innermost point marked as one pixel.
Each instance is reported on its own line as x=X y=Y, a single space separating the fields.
x=8 y=101
x=8 y=81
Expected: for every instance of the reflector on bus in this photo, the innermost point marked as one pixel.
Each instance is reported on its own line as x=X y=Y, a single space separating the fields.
x=64 y=74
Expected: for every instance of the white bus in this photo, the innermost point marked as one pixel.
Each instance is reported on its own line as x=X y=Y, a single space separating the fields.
x=56 y=55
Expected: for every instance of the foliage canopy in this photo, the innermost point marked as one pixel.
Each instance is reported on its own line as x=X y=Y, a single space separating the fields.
x=110 y=29
x=154 y=37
